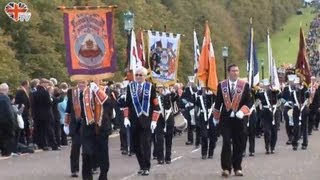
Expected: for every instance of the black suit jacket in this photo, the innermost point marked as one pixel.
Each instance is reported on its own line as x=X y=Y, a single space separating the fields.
x=42 y=105
x=246 y=100
x=143 y=120
x=22 y=98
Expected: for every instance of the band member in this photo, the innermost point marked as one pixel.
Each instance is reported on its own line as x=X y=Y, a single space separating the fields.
x=314 y=104
x=83 y=116
x=268 y=97
x=165 y=126
x=287 y=95
x=251 y=125
x=301 y=110
x=188 y=101
x=125 y=133
x=231 y=110
x=141 y=113
x=208 y=130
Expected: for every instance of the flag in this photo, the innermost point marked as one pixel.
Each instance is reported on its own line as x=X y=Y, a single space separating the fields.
x=196 y=53
x=134 y=59
x=273 y=74
x=90 y=50
x=140 y=49
x=252 y=63
x=207 y=72
x=302 y=65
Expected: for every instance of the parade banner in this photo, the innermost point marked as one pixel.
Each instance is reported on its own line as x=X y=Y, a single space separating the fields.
x=88 y=34
x=302 y=65
x=163 y=55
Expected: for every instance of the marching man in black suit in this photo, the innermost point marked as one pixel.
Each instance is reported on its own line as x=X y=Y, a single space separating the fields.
x=231 y=109
x=141 y=113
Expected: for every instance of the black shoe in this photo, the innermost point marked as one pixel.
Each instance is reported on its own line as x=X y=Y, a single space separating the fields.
x=124 y=152
x=168 y=161
x=304 y=147
x=197 y=146
x=56 y=148
x=95 y=171
x=204 y=157
x=272 y=151
x=258 y=136
x=210 y=157
x=131 y=154
x=160 y=162
x=140 y=171
x=289 y=142
x=74 y=174
x=251 y=154
x=46 y=148
x=295 y=148
x=145 y=173
x=189 y=143
x=310 y=133
x=267 y=152
x=155 y=158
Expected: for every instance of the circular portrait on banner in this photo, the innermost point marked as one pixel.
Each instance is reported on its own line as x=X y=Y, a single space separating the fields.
x=90 y=50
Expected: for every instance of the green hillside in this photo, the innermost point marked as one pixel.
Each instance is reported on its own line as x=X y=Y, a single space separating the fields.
x=285 y=51
x=36 y=48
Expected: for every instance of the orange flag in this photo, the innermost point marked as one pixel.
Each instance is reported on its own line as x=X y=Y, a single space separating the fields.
x=302 y=65
x=207 y=73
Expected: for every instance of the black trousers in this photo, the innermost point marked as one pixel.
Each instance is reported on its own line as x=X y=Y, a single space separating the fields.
x=251 y=132
x=317 y=120
x=289 y=129
x=296 y=126
x=270 y=130
x=45 y=134
x=75 y=152
x=63 y=137
x=25 y=134
x=305 y=126
x=234 y=132
x=102 y=154
x=191 y=128
x=312 y=120
x=258 y=121
x=141 y=136
x=7 y=140
x=57 y=131
x=163 y=139
x=88 y=143
x=208 y=136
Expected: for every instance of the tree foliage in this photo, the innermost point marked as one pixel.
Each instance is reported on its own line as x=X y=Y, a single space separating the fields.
x=36 y=48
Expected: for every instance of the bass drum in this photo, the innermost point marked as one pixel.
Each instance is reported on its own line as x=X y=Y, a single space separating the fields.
x=180 y=123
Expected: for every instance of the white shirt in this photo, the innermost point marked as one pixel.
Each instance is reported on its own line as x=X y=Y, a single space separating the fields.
x=233 y=82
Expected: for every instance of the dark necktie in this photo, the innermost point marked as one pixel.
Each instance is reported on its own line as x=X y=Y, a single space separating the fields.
x=139 y=90
x=232 y=90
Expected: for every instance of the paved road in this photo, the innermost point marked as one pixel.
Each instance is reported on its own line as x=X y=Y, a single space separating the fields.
x=186 y=165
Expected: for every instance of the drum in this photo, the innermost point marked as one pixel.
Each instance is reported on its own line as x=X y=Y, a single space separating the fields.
x=180 y=123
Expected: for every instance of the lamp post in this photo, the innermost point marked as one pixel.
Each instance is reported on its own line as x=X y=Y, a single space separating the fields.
x=128 y=18
x=262 y=68
x=225 y=55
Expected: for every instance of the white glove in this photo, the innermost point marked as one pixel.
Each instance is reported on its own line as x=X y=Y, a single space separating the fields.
x=153 y=126
x=66 y=129
x=240 y=114
x=127 y=122
x=94 y=87
x=215 y=122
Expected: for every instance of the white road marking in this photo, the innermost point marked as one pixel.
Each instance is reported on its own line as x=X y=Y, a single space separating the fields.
x=134 y=174
x=193 y=151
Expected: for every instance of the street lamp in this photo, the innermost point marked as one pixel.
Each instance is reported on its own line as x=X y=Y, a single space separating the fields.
x=225 y=55
x=262 y=68
x=128 y=18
